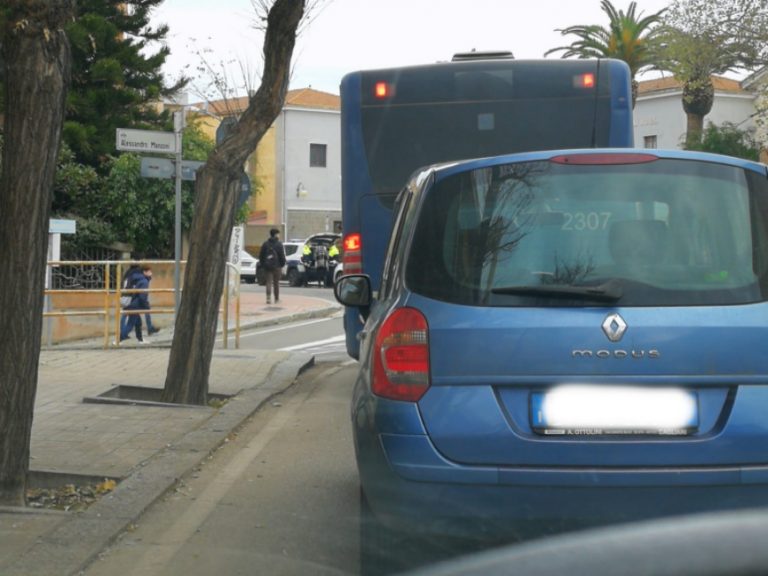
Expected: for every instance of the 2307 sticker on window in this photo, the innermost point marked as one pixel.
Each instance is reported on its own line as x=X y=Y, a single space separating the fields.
x=591 y=221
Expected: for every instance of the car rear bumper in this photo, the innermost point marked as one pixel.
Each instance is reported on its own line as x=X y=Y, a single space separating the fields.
x=409 y=484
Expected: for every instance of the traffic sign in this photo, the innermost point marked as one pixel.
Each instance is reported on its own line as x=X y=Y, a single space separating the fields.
x=166 y=168
x=145 y=141
x=189 y=169
x=225 y=129
x=245 y=189
x=56 y=226
x=157 y=168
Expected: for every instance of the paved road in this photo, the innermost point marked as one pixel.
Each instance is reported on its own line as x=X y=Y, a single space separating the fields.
x=323 y=338
x=280 y=498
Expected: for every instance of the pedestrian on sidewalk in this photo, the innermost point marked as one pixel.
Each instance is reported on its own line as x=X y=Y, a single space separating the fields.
x=272 y=260
x=147 y=271
x=135 y=280
x=128 y=280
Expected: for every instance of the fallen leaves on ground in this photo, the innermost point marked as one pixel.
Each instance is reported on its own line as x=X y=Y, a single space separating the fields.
x=69 y=497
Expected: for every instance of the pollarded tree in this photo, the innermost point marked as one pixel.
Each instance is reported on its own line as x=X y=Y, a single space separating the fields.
x=217 y=190
x=706 y=37
x=36 y=59
x=629 y=37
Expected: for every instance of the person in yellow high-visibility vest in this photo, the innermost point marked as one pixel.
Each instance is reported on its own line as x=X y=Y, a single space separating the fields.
x=308 y=258
x=308 y=255
x=334 y=256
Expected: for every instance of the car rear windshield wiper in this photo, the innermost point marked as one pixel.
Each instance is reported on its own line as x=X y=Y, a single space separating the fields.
x=610 y=291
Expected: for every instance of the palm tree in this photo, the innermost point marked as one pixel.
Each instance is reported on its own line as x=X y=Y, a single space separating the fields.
x=705 y=37
x=628 y=37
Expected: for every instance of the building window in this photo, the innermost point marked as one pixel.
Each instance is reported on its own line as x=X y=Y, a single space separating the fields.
x=317 y=154
x=650 y=142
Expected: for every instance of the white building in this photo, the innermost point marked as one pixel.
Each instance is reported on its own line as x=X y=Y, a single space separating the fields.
x=309 y=162
x=296 y=168
x=659 y=118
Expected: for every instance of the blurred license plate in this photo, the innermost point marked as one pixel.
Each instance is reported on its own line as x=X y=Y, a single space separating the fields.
x=602 y=410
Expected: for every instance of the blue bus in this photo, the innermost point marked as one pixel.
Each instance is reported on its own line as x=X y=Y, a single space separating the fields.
x=396 y=120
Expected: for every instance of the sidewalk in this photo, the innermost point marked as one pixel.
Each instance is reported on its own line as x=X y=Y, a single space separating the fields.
x=146 y=448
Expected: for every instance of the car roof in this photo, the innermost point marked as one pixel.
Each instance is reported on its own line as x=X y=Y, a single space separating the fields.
x=446 y=169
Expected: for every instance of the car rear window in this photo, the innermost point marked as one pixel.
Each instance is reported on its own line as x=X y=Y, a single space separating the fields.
x=290 y=249
x=667 y=232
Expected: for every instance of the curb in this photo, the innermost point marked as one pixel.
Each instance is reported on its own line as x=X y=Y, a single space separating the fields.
x=73 y=544
x=295 y=317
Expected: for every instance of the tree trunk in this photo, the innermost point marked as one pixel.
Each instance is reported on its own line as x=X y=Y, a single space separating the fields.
x=694 y=129
x=217 y=188
x=698 y=99
x=37 y=63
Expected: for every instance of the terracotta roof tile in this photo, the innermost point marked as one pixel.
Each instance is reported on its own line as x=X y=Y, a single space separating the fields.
x=302 y=98
x=670 y=83
x=309 y=98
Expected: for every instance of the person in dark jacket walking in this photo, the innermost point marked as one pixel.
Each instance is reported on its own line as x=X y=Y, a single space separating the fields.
x=147 y=271
x=139 y=301
x=272 y=260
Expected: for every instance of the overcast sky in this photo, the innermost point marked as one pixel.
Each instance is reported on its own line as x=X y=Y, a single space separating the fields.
x=350 y=35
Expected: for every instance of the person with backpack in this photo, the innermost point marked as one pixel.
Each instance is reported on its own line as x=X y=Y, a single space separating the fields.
x=272 y=260
x=147 y=271
x=134 y=279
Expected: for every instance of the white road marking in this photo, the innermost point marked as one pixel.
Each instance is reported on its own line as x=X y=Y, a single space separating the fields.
x=288 y=326
x=332 y=340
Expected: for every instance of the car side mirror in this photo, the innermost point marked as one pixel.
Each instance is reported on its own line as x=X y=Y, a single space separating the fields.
x=353 y=290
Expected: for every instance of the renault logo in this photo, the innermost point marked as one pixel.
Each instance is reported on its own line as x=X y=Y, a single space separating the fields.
x=614 y=327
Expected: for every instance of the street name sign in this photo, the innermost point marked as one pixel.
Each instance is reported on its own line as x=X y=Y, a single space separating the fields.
x=129 y=140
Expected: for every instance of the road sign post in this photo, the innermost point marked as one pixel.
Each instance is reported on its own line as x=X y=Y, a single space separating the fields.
x=129 y=140
x=56 y=228
x=178 y=126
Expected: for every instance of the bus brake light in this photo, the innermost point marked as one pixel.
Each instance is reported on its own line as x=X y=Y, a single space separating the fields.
x=383 y=90
x=584 y=80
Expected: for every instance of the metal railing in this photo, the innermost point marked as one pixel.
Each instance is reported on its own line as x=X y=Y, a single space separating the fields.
x=103 y=280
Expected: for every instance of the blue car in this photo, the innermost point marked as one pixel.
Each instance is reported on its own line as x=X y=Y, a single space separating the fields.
x=566 y=338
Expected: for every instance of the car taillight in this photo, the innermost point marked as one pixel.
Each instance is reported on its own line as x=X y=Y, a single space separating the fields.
x=401 y=356
x=353 y=254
